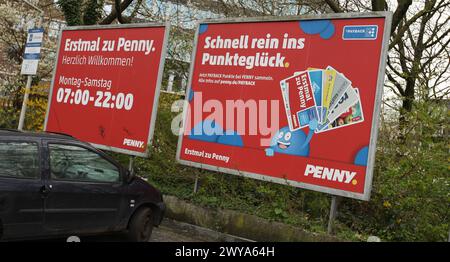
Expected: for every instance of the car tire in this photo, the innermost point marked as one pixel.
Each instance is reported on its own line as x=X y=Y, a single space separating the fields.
x=141 y=225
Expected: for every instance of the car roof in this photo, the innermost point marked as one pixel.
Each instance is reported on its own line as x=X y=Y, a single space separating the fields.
x=13 y=133
x=51 y=135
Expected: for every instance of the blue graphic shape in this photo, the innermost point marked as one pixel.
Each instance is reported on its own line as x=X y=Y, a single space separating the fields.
x=328 y=32
x=360 y=32
x=191 y=95
x=207 y=131
x=324 y=28
x=289 y=142
x=231 y=138
x=312 y=27
x=203 y=28
x=269 y=152
x=361 y=156
x=312 y=126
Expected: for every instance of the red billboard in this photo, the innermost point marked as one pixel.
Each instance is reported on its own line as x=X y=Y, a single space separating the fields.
x=293 y=101
x=106 y=85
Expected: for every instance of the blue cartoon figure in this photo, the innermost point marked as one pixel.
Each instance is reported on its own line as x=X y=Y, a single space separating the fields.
x=291 y=142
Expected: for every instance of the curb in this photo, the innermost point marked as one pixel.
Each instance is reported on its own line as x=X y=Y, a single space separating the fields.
x=239 y=224
x=203 y=233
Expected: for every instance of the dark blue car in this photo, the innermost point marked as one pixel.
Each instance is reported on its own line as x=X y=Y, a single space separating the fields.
x=52 y=185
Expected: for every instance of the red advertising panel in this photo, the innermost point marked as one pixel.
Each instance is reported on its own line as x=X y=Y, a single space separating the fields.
x=294 y=102
x=106 y=85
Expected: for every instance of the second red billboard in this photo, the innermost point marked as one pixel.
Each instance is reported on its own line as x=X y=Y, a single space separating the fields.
x=294 y=102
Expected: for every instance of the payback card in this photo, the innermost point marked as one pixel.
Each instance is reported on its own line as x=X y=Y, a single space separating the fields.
x=301 y=100
x=352 y=115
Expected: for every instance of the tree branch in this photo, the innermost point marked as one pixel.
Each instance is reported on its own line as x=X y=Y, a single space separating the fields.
x=399 y=13
x=119 y=11
x=439 y=38
x=404 y=27
x=379 y=5
x=334 y=6
x=393 y=69
x=113 y=15
x=396 y=83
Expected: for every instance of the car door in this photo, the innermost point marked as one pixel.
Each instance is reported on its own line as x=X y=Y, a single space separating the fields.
x=84 y=190
x=21 y=202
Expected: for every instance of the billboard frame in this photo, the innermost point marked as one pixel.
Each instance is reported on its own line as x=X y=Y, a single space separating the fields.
x=376 y=112
x=157 y=88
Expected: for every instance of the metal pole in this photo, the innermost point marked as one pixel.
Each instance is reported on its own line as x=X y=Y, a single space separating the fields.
x=130 y=164
x=170 y=82
x=24 y=103
x=333 y=213
x=29 y=78
x=196 y=184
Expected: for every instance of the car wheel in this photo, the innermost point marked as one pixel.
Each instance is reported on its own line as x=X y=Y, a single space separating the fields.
x=141 y=226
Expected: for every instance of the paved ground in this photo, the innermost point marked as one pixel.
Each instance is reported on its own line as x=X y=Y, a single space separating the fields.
x=173 y=231
x=164 y=234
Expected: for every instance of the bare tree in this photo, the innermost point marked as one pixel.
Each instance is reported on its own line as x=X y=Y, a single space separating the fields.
x=418 y=61
x=418 y=58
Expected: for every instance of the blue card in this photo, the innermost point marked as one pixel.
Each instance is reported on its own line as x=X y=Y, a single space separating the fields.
x=307 y=115
x=315 y=77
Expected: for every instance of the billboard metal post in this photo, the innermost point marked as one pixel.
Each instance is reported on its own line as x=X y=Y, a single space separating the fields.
x=24 y=103
x=131 y=164
x=196 y=185
x=335 y=200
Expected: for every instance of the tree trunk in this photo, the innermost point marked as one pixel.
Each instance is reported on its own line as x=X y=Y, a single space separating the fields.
x=407 y=106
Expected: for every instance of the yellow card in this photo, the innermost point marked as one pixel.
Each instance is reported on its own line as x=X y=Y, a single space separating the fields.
x=330 y=76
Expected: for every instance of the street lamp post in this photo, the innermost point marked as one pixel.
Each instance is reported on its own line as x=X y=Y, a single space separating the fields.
x=30 y=77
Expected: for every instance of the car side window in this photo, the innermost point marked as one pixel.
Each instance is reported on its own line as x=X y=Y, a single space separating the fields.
x=75 y=163
x=19 y=160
